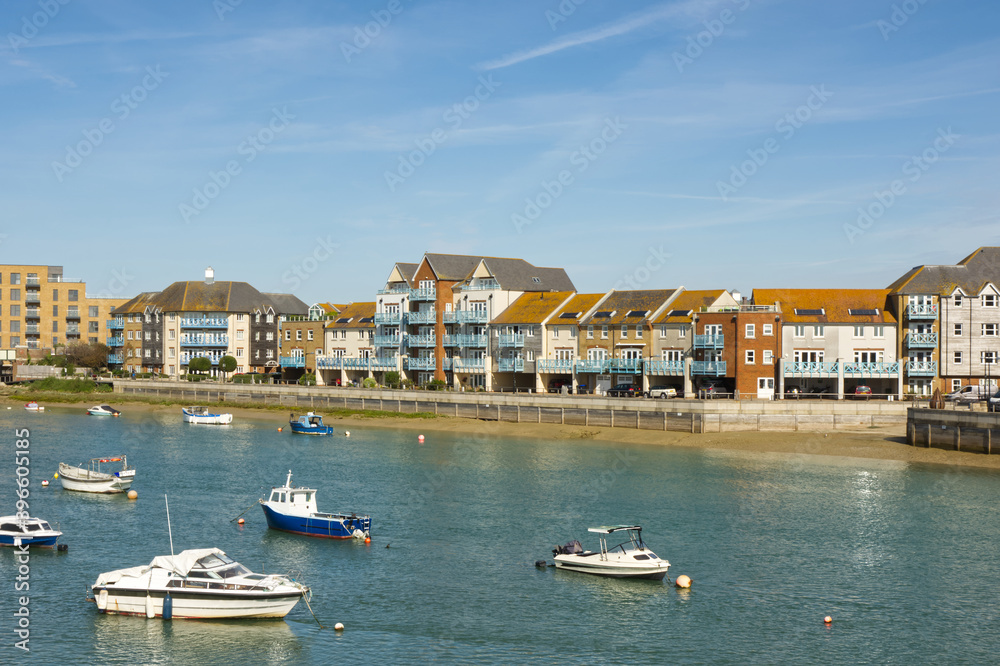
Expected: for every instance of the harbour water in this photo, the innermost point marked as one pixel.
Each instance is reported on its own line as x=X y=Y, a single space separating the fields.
x=902 y=556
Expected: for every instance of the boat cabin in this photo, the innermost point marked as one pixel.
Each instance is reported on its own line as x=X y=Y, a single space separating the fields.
x=300 y=499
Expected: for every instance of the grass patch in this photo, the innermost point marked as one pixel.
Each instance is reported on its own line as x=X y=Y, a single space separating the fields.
x=68 y=386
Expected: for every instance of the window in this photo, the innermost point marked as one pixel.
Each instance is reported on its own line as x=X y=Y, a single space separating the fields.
x=147 y=318
x=15 y=311
x=958 y=300
x=530 y=356
x=590 y=332
x=288 y=334
x=270 y=336
x=750 y=331
x=530 y=331
x=239 y=352
x=868 y=356
x=92 y=311
x=988 y=357
x=859 y=331
x=148 y=353
x=170 y=334
x=672 y=355
x=298 y=334
x=604 y=332
x=958 y=330
x=129 y=334
x=989 y=300
x=256 y=336
x=956 y=384
x=682 y=332
x=572 y=332
x=989 y=329
x=768 y=329
x=624 y=330
x=74 y=295
x=958 y=358
x=800 y=331
x=768 y=356
x=270 y=353
x=149 y=336
x=819 y=331
x=55 y=327
x=270 y=319
x=92 y=327
x=663 y=331
x=555 y=332
x=880 y=331
x=638 y=331
x=239 y=317
x=15 y=278
x=256 y=352
x=15 y=294
x=15 y=340
x=750 y=356
x=170 y=352
x=309 y=334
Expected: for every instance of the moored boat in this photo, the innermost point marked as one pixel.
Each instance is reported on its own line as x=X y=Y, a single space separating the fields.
x=204 y=416
x=33 y=407
x=201 y=583
x=96 y=477
x=629 y=559
x=309 y=424
x=293 y=509
x=32 y=532
x=103 y=410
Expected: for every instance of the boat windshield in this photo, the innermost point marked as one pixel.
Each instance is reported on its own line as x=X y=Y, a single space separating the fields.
x=213 y=560
x=236 y=570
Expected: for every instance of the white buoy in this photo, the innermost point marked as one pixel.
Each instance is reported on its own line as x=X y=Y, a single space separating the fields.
x=827 y=620
x=339 y=626
x=347 y=433
x=132 y=494
x=683 y=582
x=420 y=439
x=45 y=482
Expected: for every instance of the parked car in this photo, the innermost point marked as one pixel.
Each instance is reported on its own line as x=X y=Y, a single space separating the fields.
x=970 y=393
x=712 y=389
x=862 y=390
x=792 y=389
x=661 y=391
x=993 y=403
x=624 y=391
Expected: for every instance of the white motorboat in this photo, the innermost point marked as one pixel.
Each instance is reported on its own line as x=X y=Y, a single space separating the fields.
x=103 y=410
x=196 y=584
x=96 y=477
x=21 y=531
x=629 y=559
x=33 y=407
x=204 y=416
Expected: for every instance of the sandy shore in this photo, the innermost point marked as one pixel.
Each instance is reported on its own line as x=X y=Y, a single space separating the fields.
x=871 y=443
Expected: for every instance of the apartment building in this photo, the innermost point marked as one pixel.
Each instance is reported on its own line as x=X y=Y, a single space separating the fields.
x=561 y=336
x=301 y=339
x=42 y=310
x=348 y=355
x=524 y=333
x=735 y=349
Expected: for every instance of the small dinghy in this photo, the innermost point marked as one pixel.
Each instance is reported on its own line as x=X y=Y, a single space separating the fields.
x=33 y=407
x=96 y=477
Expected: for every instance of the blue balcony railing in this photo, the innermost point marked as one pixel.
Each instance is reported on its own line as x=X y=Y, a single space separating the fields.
x=446 y=364
x=592 y=365
x=388 y=340
x=871 y=369
x=293 y=361
x=511 y=340
x=117 y=341
x=449 y=340
x=116 y=324
x=659 y=366
x=429 y=340
x=204 y=340
x=922 y=311
x=564 y=365
x=394 y=289
x=416 y=363
x=709 y=341
x=481 y=285
x=709 y=368
x=114 y=358
x=204 y=322
x=921 y=368
x=463 y=364
x=631 y=365
x=470 y=340
x=384 y=363
x=466 y=317
x=919 y=340
x=818 y=368
x=423 y=294
x=214 y=358
x=511 y=365
x=390 y=318
x=329 y=362
x=429 y=317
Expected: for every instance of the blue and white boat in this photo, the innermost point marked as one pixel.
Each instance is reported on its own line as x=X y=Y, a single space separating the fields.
x=293 y=509
x=309 y=424
x=34 y=532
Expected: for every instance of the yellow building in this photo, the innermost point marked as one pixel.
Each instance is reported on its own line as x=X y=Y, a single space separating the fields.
x=41 y=309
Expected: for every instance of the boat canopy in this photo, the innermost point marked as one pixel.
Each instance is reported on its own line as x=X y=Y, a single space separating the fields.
x=180 y=564
x=608 y=529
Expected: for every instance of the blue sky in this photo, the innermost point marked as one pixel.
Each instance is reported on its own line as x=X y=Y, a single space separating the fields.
x=307 y=146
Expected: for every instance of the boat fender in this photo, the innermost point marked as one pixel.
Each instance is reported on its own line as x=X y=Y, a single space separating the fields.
x=168 y=607
x=62 y=548
x=541 y=564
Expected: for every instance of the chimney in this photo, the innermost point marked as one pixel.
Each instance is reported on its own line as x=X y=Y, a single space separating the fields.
x=209 y=275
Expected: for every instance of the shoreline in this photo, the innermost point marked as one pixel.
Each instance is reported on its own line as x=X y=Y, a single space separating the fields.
x=869 y=444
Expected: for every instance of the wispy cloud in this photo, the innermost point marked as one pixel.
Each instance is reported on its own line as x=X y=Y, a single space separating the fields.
x=628 y=24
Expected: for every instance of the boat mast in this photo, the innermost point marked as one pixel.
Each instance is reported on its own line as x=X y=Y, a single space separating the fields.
x=169 y=531
x=288 y=482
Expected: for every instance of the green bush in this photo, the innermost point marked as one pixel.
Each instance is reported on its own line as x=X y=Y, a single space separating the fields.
x=308 y=379
x=65 y=385
x=436 y=385
x=193 y=378
x=370 y=383
x=392 y=379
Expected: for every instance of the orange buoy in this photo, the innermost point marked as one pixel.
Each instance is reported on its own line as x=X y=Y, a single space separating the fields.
x=280 y=429
x=368 y=539
x=827 y=620
x=420 y=438
x=132 y=494
x=683 y=582
x=241 y=521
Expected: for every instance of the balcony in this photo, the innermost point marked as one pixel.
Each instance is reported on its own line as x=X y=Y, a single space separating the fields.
x=32 y=313
x=329 y=362
x=73 y=315
x=209 y=340
x=871 y=369
x=429 y=340
x=421 y=364
x=32 y=297
x=470 y=340
x=356 y=362
x=508 y=340
x=388 y=340
x=592 y=365
x=204 y=322
x=384 y=363
x=423 y=294
x=31 y=329
x=288 y=361
x=922 y=311
x=429 y=317
x=709 y=341
x=118 y=341
x=72 y=330
x=630 y=365
x=814 y=368
x=563 y=365
x=463 y=364
x=449 y=340
x=918 y=340
x=116 y=324
x=32 y=282
x=389 y=318
x=394 y=289
x=921 y=368
x=446 y=364
x=511 y=365
x=709 y=368
x=214 y=358
x=466 y=317
x=114 y=358
x=481 y=285
x=661 y=367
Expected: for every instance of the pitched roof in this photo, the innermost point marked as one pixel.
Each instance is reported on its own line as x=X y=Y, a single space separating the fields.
x=452 y=266
x=224 y=296
x=689 y=302
x=577 y=305
x=970 y=275
x=828 y=306
x=533 y=308
x=622 y=307
x=136 y=304
x=520 y=275
x=352 y=316
x=288 y=304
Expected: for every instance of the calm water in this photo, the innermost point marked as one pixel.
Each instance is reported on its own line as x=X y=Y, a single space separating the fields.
x=903 y=556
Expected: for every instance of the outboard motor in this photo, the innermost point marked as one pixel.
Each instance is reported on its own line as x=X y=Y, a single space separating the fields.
x=572 y=548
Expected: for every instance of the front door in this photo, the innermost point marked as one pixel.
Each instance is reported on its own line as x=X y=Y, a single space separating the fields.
x=765 y=388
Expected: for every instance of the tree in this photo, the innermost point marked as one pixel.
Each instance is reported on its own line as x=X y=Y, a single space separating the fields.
x=227 y=364
x=88 y=354
x=392 y=379
x=199 y=364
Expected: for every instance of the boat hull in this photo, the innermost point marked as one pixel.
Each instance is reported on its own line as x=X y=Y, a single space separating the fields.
x=85 y=481
x=317 y=526
x=207 y=419
x=303 y=430
x=195 y=605
x=31 y=542
x=611 y=569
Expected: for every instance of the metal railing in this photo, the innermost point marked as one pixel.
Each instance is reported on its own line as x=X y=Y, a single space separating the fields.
x=423 y=294
x=388 y=340
x=115 y=324
x=429 y=340
x=564 y=365
x=922 y=310
x=921 y=368
x=388 y=317
x=204 y=322
x=429 y=317
x=207 y=340
x=117 y=341
x=820 y=368
x=469 y=340
x=421 y=363
x=709 y=368
x=871 y=369
x=661 y=367
x=630 y=365
x=463 y=364
x=511 y=340
x=290 y=361
x=511 y=365
x=917 y=340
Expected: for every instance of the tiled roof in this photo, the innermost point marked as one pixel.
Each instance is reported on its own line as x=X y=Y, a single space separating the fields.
x=519 y=275
x=351 y=315
x=137 y=304
x=836 y=305
x=970 y=275
x=623 y=303
x=197 y=296
x=287 y=304
x=578 y=304
x=689 y=301
x=532 y=308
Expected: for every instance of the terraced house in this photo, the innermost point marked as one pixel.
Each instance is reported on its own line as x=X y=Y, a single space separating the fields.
x=349 y=341
x=524 y=334
x=302 y=339
x=557 y=367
